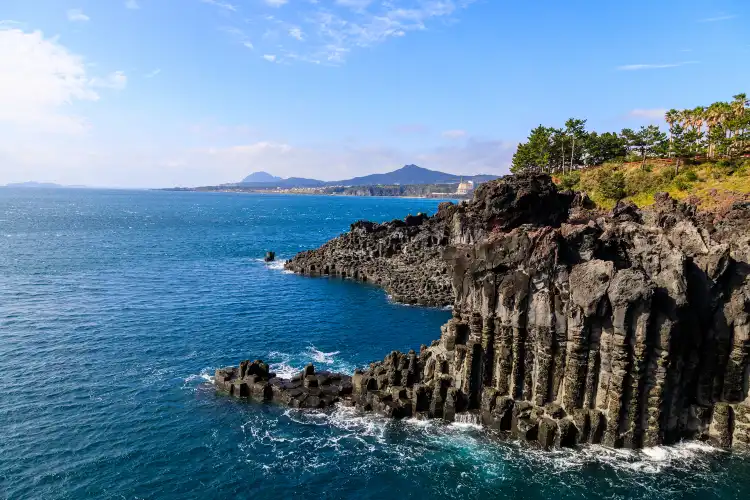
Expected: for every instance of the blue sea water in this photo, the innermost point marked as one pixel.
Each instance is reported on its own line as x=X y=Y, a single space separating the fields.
x=116 y=307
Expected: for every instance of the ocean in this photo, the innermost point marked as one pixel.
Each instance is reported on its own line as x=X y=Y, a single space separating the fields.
x=116 y=307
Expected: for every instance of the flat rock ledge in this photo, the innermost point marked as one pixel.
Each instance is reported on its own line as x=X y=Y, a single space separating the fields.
x=629 y=328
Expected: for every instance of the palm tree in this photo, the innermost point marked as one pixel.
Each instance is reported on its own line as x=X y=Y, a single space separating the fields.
x=699 y=116
x=687 y=118
x=713 y=118
x=739 y=104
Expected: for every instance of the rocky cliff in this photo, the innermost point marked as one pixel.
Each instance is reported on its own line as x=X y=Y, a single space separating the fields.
x=630 y=328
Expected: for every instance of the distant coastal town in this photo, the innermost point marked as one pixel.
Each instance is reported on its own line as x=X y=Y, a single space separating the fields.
x=409 y=181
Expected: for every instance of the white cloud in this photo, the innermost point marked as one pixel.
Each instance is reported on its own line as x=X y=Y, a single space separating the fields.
x=132 y=4
x=39 y=81
x=114 y=81
x=638 y=67
x=330 y=162
x=269 y=57
x=152 y=74
x=651 y=114
x=454 y=134
x=222 y=5
x=77 y=15
x=333 y=29
x=42 y=135
x=134 y=166
x=717 y=18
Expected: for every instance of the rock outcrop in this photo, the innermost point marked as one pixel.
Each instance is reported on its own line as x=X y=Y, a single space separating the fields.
x=307 y=389
x=569 y=326
x=405 y=256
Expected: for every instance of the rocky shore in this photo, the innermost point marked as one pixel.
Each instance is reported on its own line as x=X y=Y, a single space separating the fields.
x=629 y=328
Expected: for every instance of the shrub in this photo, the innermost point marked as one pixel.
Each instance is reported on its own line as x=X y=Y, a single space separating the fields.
x=610 y=183
x=570 y=180
x=667 y=175
x=689 y=175
x=641 y=181
x=723 y=168
x=681 y=183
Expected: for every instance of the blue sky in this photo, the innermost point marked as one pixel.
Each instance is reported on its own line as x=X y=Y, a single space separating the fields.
x=147 y=93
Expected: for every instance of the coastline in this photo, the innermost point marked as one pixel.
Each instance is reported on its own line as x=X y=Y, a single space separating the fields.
x=454 y=198
x=553 y=302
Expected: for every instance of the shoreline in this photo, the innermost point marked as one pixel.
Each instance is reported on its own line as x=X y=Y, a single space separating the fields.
x=268 y=193
x=553 y=302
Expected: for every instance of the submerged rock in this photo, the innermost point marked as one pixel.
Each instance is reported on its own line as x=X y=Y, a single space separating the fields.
x=569 y=326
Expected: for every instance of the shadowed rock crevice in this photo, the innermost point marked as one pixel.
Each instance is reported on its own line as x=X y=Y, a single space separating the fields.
x=630 y=328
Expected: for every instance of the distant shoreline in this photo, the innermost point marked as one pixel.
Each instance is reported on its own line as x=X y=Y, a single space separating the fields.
x=438 y=196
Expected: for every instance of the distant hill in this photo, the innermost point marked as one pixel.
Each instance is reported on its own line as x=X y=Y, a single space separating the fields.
x=266 y=180
x=406 y=175
x=32 y=184
x=260 y=177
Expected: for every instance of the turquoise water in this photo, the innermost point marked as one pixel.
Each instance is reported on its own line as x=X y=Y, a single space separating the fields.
x=117 y=306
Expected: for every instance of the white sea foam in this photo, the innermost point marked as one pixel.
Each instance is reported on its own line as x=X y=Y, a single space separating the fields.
x=204 y=376
x=276 y=265
x=286 y=365
x=320 y=356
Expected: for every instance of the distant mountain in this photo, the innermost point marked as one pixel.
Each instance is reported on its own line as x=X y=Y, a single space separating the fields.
x=266 y=180
x=407 y=175
x=32 y=184
x=260 y=177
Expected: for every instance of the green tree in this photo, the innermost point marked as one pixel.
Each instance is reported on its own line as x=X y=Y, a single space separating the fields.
x=576 y=130
x=686 y=143
x=602 y=148
x=648 y=141
x=534 y=155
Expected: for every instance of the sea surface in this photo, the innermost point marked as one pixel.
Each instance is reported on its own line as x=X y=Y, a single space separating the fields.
x=116 y=307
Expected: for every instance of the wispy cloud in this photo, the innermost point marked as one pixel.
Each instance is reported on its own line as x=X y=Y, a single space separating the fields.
x=454 y=134
x=152 y=74
x=638 y=67
x=239 y=36
x=77 y=15
x=296 y=33
x=222 y=5
x=114 y=81
x=651 y=114
x=132 y=4
x=269 y=57
x=718 y=18
x=334 y=29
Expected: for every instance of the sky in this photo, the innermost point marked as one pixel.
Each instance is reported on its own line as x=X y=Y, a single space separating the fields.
x=160 y=93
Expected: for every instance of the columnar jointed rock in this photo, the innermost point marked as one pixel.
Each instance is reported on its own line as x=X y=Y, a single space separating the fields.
x=629 y=329
x=307 y=389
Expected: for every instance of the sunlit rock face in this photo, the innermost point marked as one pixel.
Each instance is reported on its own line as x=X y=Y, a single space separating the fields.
x=629 y=328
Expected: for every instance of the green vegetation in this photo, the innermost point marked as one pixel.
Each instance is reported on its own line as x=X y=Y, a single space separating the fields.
x=719 y=131
x=704 y=154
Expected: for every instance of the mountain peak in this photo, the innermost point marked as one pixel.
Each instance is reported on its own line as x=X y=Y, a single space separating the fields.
x=261 y=177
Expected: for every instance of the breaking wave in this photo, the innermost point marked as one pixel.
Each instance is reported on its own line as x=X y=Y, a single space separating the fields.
x=276 y=265
x=287 y=365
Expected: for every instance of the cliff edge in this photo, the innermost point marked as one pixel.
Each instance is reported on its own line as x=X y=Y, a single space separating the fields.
x=629 y=328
